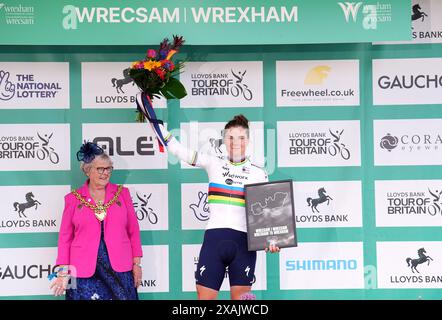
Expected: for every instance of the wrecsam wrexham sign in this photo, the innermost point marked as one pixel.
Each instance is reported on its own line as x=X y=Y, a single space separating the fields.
x=209 y=22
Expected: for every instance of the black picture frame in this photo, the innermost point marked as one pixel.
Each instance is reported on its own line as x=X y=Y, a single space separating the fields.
x=270 y=215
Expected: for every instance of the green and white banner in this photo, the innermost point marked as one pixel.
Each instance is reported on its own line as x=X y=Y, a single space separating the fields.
x=209 y=22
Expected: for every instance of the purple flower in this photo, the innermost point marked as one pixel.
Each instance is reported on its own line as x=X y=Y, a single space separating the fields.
x=163 y=54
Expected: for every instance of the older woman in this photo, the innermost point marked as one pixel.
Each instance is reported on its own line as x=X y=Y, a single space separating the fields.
x=99 y=242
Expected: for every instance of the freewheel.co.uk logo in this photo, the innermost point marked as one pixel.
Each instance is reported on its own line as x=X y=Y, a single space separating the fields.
x=373 y=13
x=317 y=75
x=17 y=14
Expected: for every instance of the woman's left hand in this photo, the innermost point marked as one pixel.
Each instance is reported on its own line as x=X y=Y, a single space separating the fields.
x=138 y=275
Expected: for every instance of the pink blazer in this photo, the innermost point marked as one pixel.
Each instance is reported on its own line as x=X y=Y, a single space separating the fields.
x=80 y=231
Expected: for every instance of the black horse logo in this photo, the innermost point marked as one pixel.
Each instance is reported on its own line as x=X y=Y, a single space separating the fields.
x=119 y=83
x=30 y=202
x=322 y=198
x=417 y=13
x=422 y=258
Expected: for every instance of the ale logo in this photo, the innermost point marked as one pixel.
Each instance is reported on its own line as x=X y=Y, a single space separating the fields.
x=417 y=13
x=323 y=197
x=119 y=83
x=413 y=263
x=317 y=75
x=30 y=202
x=389 y=142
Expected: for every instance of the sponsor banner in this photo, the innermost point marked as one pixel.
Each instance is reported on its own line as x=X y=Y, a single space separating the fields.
x=408 y=203
x=130 y=145
x=25 y=271
x=33 y=209
x=318 y=143
x=26 y=147
x=223 y=84
x=244 y=22
x=194 y=206
x=328 y=204
x=155 y=269
x=407 y=142
x=207 y=137
x=106 y=85
x=409 y=264
x=190 y=254
x=322 y=265
x=151 y=205
x=317 y=83
x=34 y=85
x=407 y=81
x=426 y=26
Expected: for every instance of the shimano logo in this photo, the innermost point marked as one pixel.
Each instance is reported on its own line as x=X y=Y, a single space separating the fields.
x=307 y=265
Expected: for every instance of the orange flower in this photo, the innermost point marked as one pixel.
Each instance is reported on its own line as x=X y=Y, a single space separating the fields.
x=150 y=65
x=170 y=54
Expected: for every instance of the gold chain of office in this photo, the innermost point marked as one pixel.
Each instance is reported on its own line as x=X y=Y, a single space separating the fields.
x=100 y=208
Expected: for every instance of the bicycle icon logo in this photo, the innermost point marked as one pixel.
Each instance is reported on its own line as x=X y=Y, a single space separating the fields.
x=46 y=151
x=435 y=207
x=241 y=88
x=142 y=211
x=338 y=148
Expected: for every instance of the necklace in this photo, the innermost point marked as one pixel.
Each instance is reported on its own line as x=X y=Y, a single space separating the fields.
x=100 y=208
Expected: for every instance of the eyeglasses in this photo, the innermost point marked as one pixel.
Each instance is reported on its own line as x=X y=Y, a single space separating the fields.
x=101 y=170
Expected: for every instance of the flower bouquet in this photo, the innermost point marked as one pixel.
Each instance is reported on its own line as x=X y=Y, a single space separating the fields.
x=155 y=76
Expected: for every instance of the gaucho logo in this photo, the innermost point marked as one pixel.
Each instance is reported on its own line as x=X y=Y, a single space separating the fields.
x=318 y=143
x=421 y=81
x=221 y=84
x=414 y=203
x=411 y=142
x=25 y=86
x=27 y=147
x=14 y=272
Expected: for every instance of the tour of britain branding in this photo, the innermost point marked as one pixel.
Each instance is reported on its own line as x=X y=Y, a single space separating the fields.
x=155 y=269
x=426 y=18
x=317 y=83
x=409 y=264
x=328 y=204
x=26 y=147
x=318 y=143
x=408 y=203
x=407 y=142
x=322 y=265
x=130 y=145
x=25 y=271
x=194 y=206
x=190 y=254
x=407 y=81
x=107 y=85
x=223 y=84
x=151 y=205
x=34 y=85
x=207 y=137
x=26 y=209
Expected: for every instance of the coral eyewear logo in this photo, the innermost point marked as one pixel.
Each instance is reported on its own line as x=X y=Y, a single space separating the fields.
x=412 y=142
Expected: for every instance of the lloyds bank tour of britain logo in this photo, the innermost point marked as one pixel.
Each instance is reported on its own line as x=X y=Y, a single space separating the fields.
x=319 y=143
x=415 y=202
x=29 y=147
x=221 y=84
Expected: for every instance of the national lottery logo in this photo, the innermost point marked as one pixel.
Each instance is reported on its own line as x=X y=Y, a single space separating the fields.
x=200 y=207
x=29 y=147
x=389 y=142
x=222 y=84
x=331 y=143
x=25 y=86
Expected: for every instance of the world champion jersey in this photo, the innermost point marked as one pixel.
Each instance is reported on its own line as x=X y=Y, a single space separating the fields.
x=226 y=183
